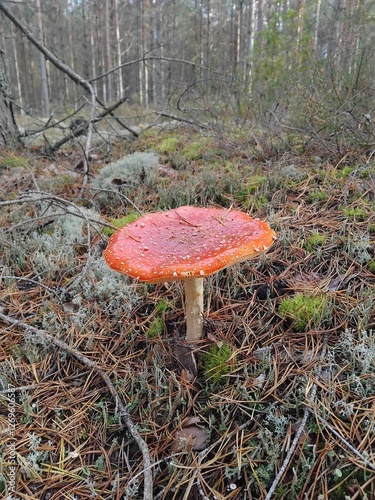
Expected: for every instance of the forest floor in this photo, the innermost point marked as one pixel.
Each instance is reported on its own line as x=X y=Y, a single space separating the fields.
x=283 y=401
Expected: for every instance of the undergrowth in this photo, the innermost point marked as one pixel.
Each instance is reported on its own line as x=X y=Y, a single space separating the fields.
x=289 y=337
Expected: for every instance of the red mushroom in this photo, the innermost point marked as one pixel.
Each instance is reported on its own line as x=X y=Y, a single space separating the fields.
x=187 y=243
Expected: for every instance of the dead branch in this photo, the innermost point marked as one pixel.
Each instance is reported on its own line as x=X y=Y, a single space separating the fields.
x=51 y=150
x=125 y=417
x=183 y=120
x=345 y=442
x=153 y=58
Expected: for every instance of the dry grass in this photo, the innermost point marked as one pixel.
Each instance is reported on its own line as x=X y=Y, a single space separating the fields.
x=294 y=415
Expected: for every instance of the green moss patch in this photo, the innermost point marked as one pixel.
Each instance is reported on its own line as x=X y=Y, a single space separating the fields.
x=305 y=311
x=119 y=223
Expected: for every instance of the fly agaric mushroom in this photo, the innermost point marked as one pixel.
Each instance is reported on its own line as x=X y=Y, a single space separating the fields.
x=187 y=243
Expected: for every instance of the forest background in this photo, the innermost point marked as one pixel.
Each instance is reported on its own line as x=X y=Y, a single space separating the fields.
x=307 y=63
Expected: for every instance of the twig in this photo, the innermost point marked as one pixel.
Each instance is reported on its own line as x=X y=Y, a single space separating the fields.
x=29 y=280
x=183 y=120
x=146 y=58
x=344 y=441
x=121 y=195
x=291 y=451
x=81 y=130
x=18 y=389
x=125 y=417
x=35 y=196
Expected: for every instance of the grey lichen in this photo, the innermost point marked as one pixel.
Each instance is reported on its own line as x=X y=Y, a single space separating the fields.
x=129 y=171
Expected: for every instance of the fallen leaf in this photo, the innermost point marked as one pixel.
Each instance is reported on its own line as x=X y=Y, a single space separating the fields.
x=117 y=182
x=259 y=380
x=80 y=165
x=167 y=171
x=70 y=307
x=191 y=436
x=214 y=339
x=339 y=282
x=186 y=359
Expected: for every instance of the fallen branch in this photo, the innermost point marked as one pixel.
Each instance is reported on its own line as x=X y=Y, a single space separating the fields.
x=125 y=417
x=145 y=58
x=82 y=129
x=183 y=120
x=345 y=442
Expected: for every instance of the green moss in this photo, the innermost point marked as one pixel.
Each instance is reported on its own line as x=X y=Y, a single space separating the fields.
x=344 y=173
x=150 y=132
x=260 y=201
x=156 y=326
x=305 y=311
x=195 y=149
x=13 y=162
x=371 y=228
x=83 y=434
x=252 y=185
x=255 y=182
x=316 y=195
x=314 y=241
x=161 y=307
x=357 y=213
x=371 y=266
x=119 y=223
x=168 y=145
x=367 y=171
x=218 y=361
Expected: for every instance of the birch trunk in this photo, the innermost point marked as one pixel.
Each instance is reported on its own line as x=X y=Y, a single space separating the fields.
x=107 y=52
x=42 y=63
x=253 y=34
x=317 y=25
x=91 y=18
x=17 y=70
x=119 y=81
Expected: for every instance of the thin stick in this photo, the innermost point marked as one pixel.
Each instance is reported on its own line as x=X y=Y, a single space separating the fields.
x=345 y=442
x=125 y=417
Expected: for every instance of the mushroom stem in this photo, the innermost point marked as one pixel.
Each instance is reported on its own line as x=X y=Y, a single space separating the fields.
x=194 y=308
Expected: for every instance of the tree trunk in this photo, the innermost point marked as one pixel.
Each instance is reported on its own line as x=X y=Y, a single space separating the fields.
x=93 y=46
x=143 y=68
x=17 y=71
x=8 y=129
x=253 y=38
x=317 y=25
x=42 y=63
x=119 y=80
x=107 y=51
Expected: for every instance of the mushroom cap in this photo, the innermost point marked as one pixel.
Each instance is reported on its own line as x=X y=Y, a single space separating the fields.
x=186 y=242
